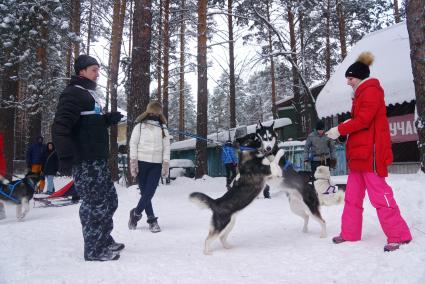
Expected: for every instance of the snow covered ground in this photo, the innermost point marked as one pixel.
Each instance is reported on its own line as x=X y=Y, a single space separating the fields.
x=268 y=245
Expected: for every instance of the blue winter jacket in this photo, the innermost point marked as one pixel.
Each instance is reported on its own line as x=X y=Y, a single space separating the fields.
x=228 y=155
x=35 y=154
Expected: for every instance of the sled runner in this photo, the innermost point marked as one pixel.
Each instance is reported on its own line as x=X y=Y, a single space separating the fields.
x=67 y=195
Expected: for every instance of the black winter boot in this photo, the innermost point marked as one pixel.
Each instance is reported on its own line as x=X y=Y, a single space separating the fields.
x=153 y=225
x=106 y=255
x=116 y=246
x=134 y=218
x=266 y=192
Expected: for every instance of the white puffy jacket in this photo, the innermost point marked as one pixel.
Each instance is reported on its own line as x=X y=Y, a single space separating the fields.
x=147 y=143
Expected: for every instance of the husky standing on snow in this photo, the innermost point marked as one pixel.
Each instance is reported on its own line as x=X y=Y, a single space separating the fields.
x=253 y=169
x=303 y=199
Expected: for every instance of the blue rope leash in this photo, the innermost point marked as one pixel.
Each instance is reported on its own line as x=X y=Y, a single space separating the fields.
x=189 y=134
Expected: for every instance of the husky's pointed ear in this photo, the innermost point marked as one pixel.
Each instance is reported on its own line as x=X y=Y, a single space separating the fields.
x=259 y=125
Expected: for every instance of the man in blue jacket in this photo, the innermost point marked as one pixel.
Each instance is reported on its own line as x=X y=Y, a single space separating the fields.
x=35 y=158
x=228 y=156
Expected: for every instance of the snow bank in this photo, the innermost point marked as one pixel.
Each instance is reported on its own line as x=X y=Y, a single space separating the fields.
x=267 y=243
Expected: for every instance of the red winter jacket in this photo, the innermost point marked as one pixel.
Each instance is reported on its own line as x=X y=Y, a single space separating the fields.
x=369 y=142
x=2 y=158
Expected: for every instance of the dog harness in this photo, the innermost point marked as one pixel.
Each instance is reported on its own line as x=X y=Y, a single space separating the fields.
x=244 y=148
x=331 y=189
x=11 y=187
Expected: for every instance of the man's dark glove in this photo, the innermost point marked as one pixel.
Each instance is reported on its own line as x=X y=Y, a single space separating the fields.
x=65 y=166
x=342 y=139
x=113 y=118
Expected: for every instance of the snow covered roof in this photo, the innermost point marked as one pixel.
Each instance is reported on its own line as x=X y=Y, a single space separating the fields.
x=219 y=138
x=285 y=99
x=392 y=66
x=181 y=163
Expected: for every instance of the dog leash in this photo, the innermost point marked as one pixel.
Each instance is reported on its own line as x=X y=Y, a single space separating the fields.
x=189 y=134
x=185 y=133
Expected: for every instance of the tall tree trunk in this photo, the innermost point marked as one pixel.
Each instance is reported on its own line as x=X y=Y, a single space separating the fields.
x=89 y=27
x=138 y=97
x=117 y=30
x=166 y=37
x=182 y=62
x=130 y=36
x=202 y=109
x=68 y=59
x=108 y=82
x=397 y=12
x=36 y=112
x=416 y=29
x=76 y=24
x=302 y=40
x=341 y=28
x=232 y=81
x=272 y=67
x=328 y=40
x=295 y=79
x=159 y=60
x=9 y=89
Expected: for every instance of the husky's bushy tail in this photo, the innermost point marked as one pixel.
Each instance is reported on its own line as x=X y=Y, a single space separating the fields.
x=203 y=200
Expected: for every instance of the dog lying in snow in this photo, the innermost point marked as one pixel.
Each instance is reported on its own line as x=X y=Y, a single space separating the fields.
x=328 y=193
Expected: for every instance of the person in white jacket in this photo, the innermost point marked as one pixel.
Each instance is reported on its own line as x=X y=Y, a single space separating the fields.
x=149 y=159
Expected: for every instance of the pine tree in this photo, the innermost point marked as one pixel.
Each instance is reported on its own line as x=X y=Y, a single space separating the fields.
x=416 y=29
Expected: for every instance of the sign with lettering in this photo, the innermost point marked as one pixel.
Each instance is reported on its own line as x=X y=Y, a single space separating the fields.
x=402 y=128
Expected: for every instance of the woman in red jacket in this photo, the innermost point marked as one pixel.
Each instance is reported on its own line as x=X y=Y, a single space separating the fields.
x=369 y=154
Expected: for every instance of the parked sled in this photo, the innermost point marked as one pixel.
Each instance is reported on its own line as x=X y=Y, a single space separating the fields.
x=67 y=195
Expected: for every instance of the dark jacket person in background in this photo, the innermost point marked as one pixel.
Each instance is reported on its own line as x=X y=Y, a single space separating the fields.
x=319 y=149
x=50 y=166
x=80 y=134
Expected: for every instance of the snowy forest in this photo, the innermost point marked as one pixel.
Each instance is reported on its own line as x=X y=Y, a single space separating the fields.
x=166 y=50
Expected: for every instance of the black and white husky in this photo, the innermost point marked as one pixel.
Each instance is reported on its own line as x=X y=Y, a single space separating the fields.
x=18 y=192
x=303 y=199
x=253 y=170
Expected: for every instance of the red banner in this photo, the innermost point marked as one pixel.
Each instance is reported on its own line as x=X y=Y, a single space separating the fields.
x=402 y=128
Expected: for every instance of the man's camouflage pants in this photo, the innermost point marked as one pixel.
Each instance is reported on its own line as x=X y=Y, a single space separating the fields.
x=94 y=185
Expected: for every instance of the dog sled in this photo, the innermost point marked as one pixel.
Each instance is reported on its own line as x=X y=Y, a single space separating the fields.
x=67 y=195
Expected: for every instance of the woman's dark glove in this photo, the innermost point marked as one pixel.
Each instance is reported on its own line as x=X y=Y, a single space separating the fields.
x=113 y=118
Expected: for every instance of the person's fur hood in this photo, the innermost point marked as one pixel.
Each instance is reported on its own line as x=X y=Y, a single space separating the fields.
x=153 y=107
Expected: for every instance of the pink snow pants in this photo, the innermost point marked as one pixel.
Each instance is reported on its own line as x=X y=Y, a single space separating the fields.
x=381 y=197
